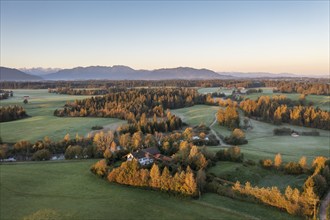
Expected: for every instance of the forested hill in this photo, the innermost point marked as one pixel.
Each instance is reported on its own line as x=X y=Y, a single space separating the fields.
x=127 y=73
x=8 y=74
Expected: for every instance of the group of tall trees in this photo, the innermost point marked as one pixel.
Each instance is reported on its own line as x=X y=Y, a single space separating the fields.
x=280 y=109
x=302 y=87
x=131 y=104
x=12 y=112
x=130 y=173
x=228 y=117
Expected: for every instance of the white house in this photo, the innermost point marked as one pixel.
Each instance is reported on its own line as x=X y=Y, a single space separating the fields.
x=144 y=156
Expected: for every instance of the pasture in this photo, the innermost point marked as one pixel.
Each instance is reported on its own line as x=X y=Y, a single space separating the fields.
x=256 y=175
x=42 y=122
x=68 y=190
x=320 y=101
x=197 y=114
x=263 y=144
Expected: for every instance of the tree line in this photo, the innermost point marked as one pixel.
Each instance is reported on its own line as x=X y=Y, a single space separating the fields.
x=91 y=91
x=290 y=85
x=131 y=104
x=11 y=113
x=280 y=109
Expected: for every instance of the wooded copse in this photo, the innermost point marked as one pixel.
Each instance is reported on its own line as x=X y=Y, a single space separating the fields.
x=12 y=112
x=280 y=109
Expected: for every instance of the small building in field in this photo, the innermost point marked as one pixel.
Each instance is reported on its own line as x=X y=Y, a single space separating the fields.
x=294 y=134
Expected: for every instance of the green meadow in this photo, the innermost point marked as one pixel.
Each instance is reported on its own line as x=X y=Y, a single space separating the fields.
x=68 y=190
x=197 y=114
x=42 y=122
x=256 y=175
x=262 y=143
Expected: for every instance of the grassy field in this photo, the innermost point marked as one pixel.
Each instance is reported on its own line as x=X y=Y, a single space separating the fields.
x=263 y=144
x=319 y=100
x=256 y=175
x=197 y=114
x=42 y=123
x=67 y=190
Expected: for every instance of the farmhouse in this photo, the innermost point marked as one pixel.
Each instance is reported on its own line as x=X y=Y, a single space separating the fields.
x=195 y=138
x=144 y=156
x=147 y=156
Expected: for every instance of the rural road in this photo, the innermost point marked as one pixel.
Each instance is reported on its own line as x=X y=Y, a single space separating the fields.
x=222 y=143
x=323 y=208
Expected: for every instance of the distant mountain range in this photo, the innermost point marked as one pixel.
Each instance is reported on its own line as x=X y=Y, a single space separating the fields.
x=124 y=72
x=114 y=73
x=39 y=71
x=8 y=74
x=127 y=73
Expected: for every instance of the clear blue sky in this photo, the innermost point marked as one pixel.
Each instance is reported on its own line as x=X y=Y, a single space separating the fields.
x=247 y=36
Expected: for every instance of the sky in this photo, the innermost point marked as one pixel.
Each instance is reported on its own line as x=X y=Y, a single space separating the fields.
x=224 y=36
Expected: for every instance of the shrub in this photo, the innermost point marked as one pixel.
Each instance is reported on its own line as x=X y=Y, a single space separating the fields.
x=41 y=155
x=236 y=138
x=310 y=133
x=293 y=168
x=73 y=152
x=97 y=127
x=100 y=168
x=282 y=131
x=231 y=154
x=267 y=163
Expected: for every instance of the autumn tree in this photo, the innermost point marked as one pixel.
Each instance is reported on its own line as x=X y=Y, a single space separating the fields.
x=303 y=163
x=278 y=161
x=155 y=180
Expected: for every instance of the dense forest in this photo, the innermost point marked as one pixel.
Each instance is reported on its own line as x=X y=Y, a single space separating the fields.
x=280 y=109
x=10 y=113
x=130 y=105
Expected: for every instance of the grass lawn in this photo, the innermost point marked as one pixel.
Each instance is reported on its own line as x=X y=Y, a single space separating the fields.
x=256 y=175
x=42 y=122
x=197 y=114
x=69 y=191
